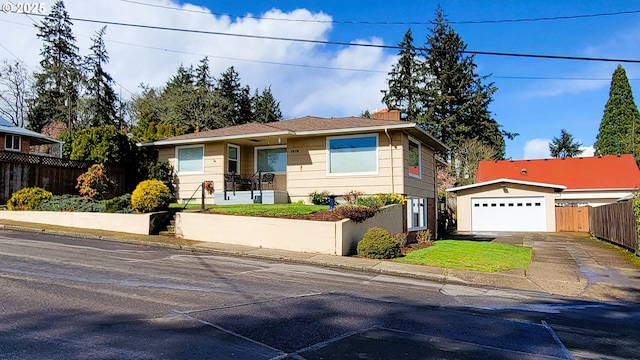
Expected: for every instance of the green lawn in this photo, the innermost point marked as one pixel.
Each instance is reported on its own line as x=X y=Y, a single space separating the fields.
x=471 y=255
x=257 y=209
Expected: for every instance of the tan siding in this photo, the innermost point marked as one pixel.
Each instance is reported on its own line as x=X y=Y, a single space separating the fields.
x=424 y=186
x=186 y=185
x=307 y=170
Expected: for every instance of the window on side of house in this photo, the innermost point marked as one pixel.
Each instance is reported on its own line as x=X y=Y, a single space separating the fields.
x=233 y=159
x=352 y=155
x=190 y=159
x=12 y=142
x=417 y=214
x=415 y=159
x=271 y=159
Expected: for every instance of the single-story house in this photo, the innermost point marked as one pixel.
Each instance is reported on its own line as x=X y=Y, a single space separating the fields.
x=309 y=154
x=17 y=139
x=521 y=195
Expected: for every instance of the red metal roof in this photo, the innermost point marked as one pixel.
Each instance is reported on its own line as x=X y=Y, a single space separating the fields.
x=597 y=172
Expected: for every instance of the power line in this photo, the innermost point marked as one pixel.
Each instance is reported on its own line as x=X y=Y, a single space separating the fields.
x=354 y=22
x=341 y=43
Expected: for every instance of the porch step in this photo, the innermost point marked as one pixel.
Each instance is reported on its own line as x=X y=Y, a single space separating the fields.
x=170 y=229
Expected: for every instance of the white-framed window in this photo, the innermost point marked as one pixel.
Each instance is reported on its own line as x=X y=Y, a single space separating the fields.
x=414 y=158
x=352 y=155
x=233 y=158
x=416 y=214
x=12 y=142
x=271 y=159
x=190 y=159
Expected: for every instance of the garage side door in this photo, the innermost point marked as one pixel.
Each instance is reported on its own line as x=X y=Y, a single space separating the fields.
x=508 y=214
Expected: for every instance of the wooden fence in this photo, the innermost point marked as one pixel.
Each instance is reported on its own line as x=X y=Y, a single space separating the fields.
x=572 y=218
x=615 y=222
x=59 y=176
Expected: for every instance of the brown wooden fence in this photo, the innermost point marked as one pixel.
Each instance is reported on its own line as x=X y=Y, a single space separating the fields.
x=615 y=222
x=59 y=176
x=572 y=218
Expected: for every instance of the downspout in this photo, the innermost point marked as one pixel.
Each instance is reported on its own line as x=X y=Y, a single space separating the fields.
x=393 y=186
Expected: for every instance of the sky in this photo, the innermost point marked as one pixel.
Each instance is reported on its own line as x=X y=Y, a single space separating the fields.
x=536 y=97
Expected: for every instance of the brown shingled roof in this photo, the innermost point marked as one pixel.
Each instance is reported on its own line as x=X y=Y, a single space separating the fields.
x=299 y=126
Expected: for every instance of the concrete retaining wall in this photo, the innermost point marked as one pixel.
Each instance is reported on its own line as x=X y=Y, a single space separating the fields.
x=335 y=238
x=129 y=223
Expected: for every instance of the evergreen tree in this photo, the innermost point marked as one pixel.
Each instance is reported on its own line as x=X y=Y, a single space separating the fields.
x=620 y=123
x=232 y=100
x=57 y=84
x=565 y=146
x=456 y=99
x=265 y=107
x=180 y=100
x=100 y=99
x=203 y=102
x=406 y=81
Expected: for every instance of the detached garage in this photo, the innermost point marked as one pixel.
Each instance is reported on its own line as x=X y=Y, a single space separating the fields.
x=506 y=205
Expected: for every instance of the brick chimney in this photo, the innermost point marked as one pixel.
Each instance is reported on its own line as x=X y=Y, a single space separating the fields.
x=386 y=115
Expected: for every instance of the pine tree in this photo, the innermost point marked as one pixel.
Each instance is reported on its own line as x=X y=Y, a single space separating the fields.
x=564 y=146
x=265 y=107
x=100 y=99
x=406 y=81
x=57 y=84
x=620 y=123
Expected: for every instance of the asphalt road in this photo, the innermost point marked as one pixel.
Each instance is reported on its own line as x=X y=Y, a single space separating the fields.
x=71 y=298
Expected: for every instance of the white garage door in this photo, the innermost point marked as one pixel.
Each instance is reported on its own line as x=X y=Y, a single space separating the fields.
x=508 y=214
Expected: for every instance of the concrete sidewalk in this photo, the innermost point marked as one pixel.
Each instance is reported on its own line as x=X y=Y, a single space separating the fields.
x=567 y=264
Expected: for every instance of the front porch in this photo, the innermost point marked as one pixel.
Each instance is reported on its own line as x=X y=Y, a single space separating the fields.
x=250 y=197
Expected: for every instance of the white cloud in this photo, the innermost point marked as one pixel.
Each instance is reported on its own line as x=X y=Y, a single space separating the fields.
x=148 y=56
x=537 y=149
x=587 y=151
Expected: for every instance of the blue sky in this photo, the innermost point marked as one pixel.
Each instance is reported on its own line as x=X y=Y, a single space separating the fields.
x=536 y=97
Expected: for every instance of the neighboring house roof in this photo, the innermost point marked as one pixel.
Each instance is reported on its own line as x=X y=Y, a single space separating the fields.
x=556 y=187
x=305 y=126
x=36 y=139
x=597 y=172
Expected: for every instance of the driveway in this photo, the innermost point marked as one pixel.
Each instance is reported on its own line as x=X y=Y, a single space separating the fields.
x=571 y=264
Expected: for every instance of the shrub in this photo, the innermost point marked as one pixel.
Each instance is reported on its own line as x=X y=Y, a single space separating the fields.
x=72 y=203
x=163 y=171
x=401 y=238
x=356 y=213
x=120 y=204
x=371 y=201
x=95 y=183
x=320 y=198
x=377 y=243
x=389 y=199
x=352 y=196
x=150 y=195
x=424 y=237
x=28 y=198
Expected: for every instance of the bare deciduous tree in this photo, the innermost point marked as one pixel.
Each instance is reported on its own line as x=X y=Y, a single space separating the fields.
x=16 y=87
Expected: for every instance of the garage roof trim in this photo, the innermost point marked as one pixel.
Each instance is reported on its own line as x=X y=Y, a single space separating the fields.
x=511 y=181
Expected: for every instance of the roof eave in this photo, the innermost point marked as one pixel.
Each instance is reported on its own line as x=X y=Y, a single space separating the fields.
x=497 y=181
x=212 y=139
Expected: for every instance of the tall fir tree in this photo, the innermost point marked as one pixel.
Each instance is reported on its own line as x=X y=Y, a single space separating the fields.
x=232 y=100
x=406 y=81
x=57 y=84
x=265 y=107
x=100 y=100
x=620 y=123
x=456 y=99
x=565 y=146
